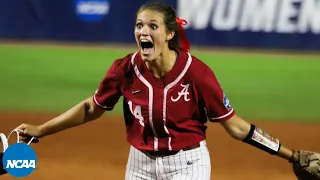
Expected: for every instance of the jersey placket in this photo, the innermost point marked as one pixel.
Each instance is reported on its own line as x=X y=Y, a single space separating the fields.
x=150 y=102
x=159 y=114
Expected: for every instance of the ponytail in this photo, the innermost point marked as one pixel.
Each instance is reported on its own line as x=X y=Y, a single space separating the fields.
x=185 y=45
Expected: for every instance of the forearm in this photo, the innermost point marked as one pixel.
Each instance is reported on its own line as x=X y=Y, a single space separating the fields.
x=246 y=132
x=267 y=142
x=287 y=154
x=77 y=115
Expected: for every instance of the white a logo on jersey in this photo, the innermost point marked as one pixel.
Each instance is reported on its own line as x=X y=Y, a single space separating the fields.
x=184 y=92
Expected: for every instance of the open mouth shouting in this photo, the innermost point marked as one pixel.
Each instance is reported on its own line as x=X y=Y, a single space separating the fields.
x=146 y=46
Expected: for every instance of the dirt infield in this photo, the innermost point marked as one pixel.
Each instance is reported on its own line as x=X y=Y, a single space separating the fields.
x=98 y=150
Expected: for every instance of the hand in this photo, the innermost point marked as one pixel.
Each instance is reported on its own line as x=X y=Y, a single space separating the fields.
x=307 y=167
x=295 y=157
x=27 y=130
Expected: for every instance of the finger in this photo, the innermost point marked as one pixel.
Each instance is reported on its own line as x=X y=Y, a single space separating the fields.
x=22 y=127
x=21 y=132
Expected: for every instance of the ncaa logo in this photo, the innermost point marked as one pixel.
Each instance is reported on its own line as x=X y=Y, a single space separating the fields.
x=92 y=10
x=19 y=160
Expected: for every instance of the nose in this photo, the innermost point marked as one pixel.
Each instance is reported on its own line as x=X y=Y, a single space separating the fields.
x=144 y=31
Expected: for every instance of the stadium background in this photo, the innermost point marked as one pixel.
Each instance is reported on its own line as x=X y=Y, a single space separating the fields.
x=53 y=54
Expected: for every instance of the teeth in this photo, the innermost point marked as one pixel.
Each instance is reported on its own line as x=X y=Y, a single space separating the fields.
x=144 y=40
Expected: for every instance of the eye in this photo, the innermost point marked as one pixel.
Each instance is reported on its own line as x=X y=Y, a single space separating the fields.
x=139 y=25
x=154 y=26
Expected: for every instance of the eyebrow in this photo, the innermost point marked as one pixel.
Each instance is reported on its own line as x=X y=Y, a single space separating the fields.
x=152 y=20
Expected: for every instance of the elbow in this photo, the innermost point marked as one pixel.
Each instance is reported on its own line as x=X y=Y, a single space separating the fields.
x=239 y=134
x=92 y=112
x=237 y=128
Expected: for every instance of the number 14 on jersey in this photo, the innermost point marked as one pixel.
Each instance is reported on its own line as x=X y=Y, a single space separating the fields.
x=136 y=112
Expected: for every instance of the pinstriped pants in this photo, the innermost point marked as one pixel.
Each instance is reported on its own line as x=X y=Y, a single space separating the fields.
x=186 y=165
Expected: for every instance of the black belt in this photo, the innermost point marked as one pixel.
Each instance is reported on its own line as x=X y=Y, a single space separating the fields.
x=168 y=153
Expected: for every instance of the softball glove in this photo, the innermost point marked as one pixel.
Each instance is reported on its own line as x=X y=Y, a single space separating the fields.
x=308 y=165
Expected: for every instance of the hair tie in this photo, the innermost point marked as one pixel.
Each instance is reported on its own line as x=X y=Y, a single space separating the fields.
x=185 y=45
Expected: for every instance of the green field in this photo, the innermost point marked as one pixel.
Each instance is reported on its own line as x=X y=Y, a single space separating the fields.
x=259 y=86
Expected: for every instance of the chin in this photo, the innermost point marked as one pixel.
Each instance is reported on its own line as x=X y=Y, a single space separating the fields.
x=148 y=57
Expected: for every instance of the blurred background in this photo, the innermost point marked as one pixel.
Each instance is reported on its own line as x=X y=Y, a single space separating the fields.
x=265 y=54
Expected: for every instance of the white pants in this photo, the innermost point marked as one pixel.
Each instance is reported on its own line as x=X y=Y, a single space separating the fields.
x=187 y=165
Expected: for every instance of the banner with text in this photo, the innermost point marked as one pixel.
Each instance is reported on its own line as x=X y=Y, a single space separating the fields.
x=285 y=24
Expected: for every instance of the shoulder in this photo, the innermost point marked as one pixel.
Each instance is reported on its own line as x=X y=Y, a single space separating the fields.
x=198 y=69
x=122 y=66
x=194 y=63
x=123 y=63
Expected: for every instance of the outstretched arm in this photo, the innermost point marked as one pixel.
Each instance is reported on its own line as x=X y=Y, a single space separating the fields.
x=217 y=107
x=81 y=113
x=242 y=130
x=104 y=99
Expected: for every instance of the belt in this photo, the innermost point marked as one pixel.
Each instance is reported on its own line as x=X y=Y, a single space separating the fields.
x=169 y=153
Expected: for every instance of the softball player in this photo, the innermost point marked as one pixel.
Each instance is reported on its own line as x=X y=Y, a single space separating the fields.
x=169 y=95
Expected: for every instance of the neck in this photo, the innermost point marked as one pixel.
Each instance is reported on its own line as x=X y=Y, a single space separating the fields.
x=163 y=64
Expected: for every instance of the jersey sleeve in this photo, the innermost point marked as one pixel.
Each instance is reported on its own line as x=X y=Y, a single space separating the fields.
x=216 y=103
x=108 y=92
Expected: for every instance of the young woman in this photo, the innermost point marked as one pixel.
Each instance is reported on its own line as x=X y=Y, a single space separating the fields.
x=169 y=95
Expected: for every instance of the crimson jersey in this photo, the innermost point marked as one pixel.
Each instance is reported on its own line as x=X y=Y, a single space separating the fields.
x=167 y=113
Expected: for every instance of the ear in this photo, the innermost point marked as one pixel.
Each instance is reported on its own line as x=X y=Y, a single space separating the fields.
x=170 y=35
